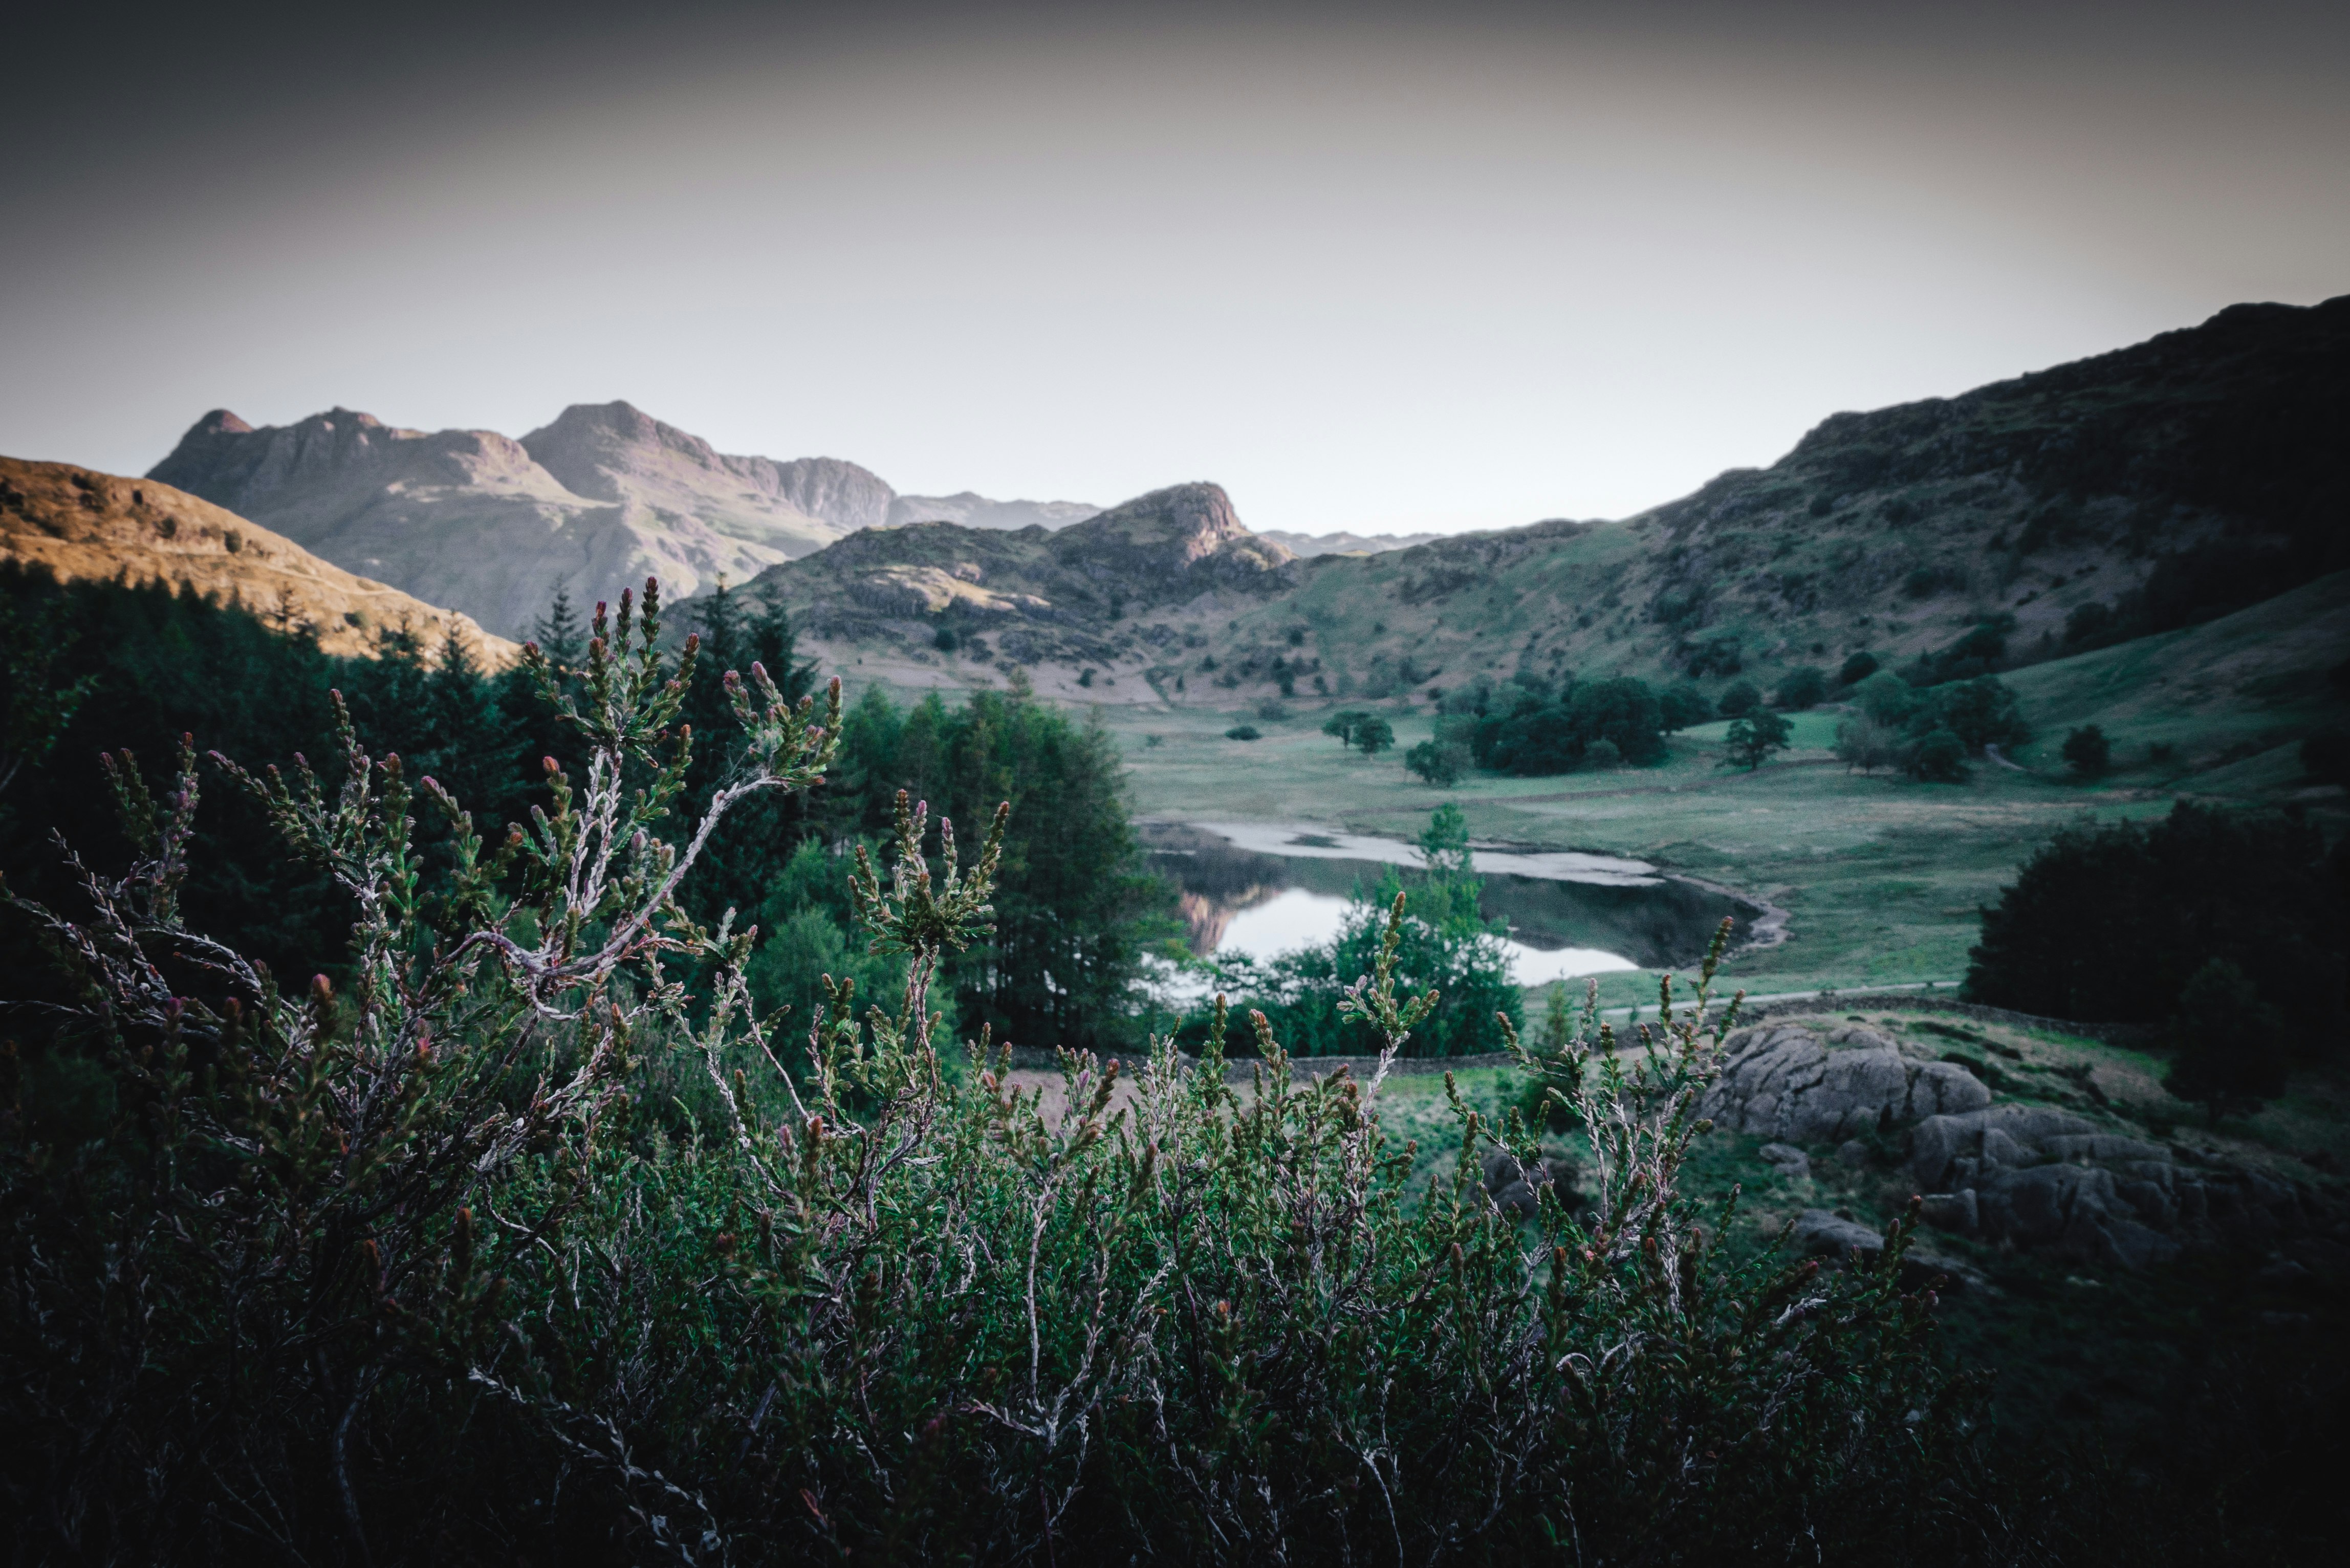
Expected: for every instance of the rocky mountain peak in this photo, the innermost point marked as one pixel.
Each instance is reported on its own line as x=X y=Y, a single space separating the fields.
x=617 y=451
x=1182 y=524
x=591 y=448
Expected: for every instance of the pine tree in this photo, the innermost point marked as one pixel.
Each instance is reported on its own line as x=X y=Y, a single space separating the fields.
x=557 y=631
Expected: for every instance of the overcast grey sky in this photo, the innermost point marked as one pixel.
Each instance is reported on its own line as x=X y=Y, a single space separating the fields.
x=1376 y=268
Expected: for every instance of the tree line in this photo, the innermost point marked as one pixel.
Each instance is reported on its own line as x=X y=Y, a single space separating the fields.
x=140 y=665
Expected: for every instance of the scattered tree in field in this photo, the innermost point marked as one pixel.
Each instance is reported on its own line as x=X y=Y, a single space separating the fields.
x=1342 y=725
x=1373 y=734
x=2087 y=751
x=1982 y=712
x=2230 y=1040
x=1438 y=763
x=1244 y=732
x=1887 y=698
x=1752 y=739
x=1862 y=742
x=1741 y=699
x=1938 y=756
x=1531 y=728
x=945 y=641
x=1802 y=686
x=1856 y=668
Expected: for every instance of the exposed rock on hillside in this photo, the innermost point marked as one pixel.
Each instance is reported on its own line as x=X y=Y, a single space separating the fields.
x=1108 y=589
x=77 y=524
x=2034 y=1176
x=972 y=510
x=478 y=521
x=1171 y=543
x=2041 y=1177
x=1785 y=1081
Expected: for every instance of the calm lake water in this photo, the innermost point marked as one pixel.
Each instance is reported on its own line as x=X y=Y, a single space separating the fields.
x=1262 y=888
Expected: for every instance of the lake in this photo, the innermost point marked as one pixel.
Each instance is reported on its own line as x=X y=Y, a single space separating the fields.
x=1262 y=888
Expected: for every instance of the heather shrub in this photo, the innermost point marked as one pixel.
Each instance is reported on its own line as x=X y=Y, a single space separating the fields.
x=532 y=1239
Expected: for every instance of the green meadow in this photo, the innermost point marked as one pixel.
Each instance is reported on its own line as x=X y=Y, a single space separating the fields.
x=1882 y=877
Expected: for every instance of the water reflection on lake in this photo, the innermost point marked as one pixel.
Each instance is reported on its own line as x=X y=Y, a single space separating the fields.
x=1263 y=888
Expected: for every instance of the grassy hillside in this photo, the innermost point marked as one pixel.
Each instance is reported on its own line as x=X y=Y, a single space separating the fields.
x=2141 y=490
x=2170 y=481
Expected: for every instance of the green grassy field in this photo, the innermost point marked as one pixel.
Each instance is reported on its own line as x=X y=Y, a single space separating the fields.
x=1882 y=877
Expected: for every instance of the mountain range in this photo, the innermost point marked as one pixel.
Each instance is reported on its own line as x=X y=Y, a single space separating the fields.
x=602 y=496
x=2154 y=486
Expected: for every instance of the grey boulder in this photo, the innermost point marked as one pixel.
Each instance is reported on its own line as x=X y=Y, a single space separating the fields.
x=1786 y=1081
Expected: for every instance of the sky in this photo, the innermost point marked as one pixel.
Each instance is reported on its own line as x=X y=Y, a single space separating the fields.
x=1379 y=268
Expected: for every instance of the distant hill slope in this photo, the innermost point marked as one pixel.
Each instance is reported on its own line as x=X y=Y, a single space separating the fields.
x=1121 y=586
x=1343 y=544
x=601 y=497
x=2172 y=481
x=970 y=511
x=79 y=524
x=967 y=510
x=2227 y=702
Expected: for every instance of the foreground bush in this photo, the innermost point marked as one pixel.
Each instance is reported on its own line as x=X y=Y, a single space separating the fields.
x=425 y=1269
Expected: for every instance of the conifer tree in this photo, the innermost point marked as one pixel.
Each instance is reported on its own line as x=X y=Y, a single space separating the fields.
x=558 y=632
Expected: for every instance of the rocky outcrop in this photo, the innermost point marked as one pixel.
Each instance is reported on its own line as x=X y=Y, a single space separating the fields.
x=2041 y=1177
x=75 y=523
x=2031 y=1176
x=1791 y=1083
x=1821 y=1234
x=1173 y=542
